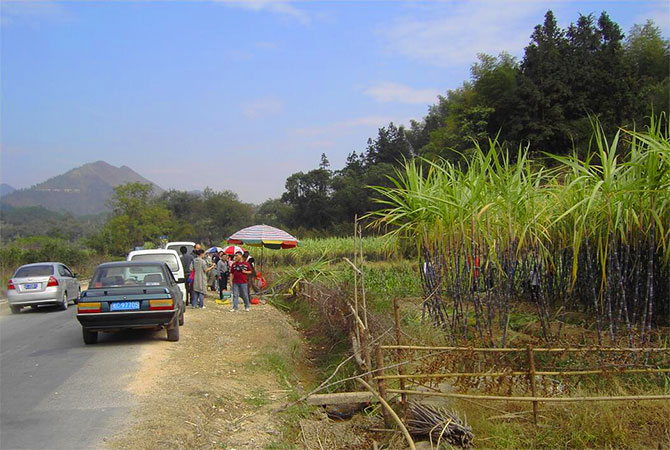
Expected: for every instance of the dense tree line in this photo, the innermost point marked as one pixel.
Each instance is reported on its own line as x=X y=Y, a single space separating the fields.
x=546 y=100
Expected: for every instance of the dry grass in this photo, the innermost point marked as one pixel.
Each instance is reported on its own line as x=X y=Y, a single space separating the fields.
x=218 y=386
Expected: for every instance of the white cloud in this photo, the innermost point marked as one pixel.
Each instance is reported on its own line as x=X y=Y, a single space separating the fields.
x=455 y=38
x=262 y=107
x=275 y=6
x=388 y=91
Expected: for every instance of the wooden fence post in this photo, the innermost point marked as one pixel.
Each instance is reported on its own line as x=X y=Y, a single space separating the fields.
x=401 y=368
x=381 y=383
x=531 y=379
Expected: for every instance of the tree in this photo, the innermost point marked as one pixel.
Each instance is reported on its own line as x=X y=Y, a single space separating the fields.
x=648 y=54
x=390 y=146
x=136 y=218
x=309 y=195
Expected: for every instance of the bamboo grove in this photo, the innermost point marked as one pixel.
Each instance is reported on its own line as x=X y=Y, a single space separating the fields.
x=587 y=235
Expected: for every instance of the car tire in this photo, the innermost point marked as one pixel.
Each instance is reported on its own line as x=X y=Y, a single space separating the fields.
x=15 y=309
x=90 y=337
x=76 y=300
x=181 y=318
x=64 y=302
x=173 y=331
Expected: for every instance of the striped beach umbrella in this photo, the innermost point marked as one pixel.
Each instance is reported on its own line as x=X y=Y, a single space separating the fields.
x=263 y=236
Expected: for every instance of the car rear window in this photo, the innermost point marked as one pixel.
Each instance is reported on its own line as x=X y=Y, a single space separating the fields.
x=177 y=248
x=34 y=271
x=131 y=275
x=168 y=258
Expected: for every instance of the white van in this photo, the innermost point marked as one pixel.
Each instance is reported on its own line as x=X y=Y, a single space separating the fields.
x=170 y=257
x=176 y=246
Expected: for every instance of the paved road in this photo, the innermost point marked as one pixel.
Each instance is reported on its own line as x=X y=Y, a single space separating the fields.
x=57 y=393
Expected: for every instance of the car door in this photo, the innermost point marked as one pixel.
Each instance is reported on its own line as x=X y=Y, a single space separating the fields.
x=73 y=290
x=65 y=279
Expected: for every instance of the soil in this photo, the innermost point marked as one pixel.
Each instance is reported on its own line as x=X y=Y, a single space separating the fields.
x=218 y=387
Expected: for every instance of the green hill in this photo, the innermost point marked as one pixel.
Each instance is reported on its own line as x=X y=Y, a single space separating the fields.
x=80 y=191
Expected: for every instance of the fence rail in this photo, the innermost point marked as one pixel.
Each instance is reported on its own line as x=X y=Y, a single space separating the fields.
x=524 y=349
x=531 y=372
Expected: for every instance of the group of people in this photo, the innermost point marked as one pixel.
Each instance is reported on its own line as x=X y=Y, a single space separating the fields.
x=205 y=270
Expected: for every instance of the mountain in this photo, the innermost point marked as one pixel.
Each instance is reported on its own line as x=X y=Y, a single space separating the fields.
x=82 y=190
x=6 y=189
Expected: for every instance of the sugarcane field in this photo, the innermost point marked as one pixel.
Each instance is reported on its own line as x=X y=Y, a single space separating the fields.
x=324 y=225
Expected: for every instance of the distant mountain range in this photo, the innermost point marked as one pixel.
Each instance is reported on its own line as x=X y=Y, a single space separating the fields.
x=6 y=189
x=80 y=191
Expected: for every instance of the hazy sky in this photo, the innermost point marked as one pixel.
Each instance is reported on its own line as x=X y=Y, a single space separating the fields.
x=240 y=94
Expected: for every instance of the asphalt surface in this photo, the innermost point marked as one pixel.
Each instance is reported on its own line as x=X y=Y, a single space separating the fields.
x=56 y=392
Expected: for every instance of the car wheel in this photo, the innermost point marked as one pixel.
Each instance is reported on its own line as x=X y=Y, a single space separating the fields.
x=181 y=318
x=76 y=300
x=64 y=302
x=90 y=337
x=173 y=332
x=15 y=309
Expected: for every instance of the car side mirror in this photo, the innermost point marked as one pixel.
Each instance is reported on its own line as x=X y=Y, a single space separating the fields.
x=75 y=275
x=181 y=280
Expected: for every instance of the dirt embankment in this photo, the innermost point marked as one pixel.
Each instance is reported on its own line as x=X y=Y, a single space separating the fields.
x=218 y=386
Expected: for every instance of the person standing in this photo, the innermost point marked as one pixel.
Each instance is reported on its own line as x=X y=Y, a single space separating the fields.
x=224 y=270
x=187 y=263
x=200 y=279
x=241 y=271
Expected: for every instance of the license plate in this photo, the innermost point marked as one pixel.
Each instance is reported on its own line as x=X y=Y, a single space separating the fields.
x=124 y=306
x=31 y=286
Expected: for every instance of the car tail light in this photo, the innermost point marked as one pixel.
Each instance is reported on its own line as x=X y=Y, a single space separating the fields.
x=156 y=305
x=10 y=285
x=52 y=282
x=89 y=307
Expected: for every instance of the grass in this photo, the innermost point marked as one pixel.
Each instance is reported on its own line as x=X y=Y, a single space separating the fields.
x=257 y=398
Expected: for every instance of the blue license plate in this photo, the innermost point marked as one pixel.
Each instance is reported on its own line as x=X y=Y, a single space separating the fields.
x=31 y=286
x=124 y=306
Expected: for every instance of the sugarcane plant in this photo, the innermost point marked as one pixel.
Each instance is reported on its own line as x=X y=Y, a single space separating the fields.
x=590 y=234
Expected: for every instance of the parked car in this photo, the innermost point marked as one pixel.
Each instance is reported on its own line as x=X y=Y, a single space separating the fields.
x=169 y=257
x=176 y=246
x=131 y=294
x=47 y=283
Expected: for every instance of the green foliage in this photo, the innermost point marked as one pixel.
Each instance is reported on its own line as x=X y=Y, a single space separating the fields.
x=375 y=248
x=136 y=218
x=594 y=230
x=210 y=217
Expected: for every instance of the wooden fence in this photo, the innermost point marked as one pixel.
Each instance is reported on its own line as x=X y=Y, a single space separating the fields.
x=531 y=372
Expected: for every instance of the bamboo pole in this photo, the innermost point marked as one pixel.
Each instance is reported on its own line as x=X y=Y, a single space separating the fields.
x=381 y=384
x=410 y=442
x=522 y=349
x=531 y=379
x=398 y=337
x=513 y=374
x=356 y=272
x=531 y=399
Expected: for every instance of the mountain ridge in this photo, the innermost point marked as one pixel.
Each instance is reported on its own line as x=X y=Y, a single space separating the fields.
x=80 y=191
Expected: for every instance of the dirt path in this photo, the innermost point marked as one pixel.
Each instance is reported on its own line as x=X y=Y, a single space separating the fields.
x=218 y=386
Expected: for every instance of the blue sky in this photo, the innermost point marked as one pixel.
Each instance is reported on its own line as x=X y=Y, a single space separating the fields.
x=240 y=94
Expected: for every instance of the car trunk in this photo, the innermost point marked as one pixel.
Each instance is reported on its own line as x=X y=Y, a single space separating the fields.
x=30 y=284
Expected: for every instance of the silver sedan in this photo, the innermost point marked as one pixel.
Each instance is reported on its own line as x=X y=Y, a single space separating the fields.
x=48 y=283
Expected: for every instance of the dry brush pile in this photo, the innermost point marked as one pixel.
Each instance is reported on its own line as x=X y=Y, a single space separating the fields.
x=586 y=235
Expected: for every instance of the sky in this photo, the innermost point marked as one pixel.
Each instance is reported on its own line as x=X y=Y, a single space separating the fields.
x=239 y=95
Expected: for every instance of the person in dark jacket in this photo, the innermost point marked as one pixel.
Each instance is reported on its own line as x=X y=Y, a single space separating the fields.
x=186 y=262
